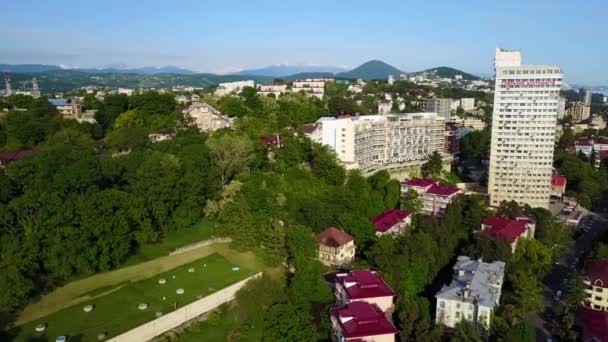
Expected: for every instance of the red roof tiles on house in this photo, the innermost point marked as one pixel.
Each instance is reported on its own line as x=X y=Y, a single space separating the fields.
x=597 y=270
x=388 y=219
x=419 y=182
x=333 y=237
x=558 y=180
x=504 y=229
x=308 y=129
x=364 y=284
x=604 y=154
x=8 y=157
x=442 y=190
x=584 y=142
x=361 y=319
x=595 y=325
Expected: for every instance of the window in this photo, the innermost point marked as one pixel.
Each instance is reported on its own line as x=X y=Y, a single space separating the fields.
x=458 y=314
x=442 y=304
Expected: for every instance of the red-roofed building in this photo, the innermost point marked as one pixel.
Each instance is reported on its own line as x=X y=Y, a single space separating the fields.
x=595 y=278
x=8 y=157
x=435 y=196
x=595 y=325
x=558 y=186
x=391 y=222
x=366 y=286
x=508 y=230
x=336 y=247
x=600 y=157
x=361 y=321
x=272 y=142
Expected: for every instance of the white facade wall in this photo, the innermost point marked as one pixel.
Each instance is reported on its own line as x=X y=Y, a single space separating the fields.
x=148 y=331
x=467 y=103
x=523 y=130
x=451 y=312
x=233 y=87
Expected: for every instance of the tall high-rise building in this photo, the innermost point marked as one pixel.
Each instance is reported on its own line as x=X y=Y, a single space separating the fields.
x=523 y=130
x=439 y=106
x=587 y=99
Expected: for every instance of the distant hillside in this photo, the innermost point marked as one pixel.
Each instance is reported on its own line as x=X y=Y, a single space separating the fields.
x=143 y=70
x=284 y=70
x=371 y=70
x=27 y=68
x=447 y=72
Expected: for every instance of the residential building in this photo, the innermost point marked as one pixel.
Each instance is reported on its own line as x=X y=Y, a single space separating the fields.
x=384 y=107
x=8 y=157
x=125 y=90
x=594 y=308
x=233 y=87
x=273 y=142
x=440 y=106
x=392 y=222
x=597 y=122
x=601 y=157
x=584 y=145
x=313 y=131
x=181 y=99
x=588 y=97
x=473 y=294
x=558 y=186
x=361 y=321
x=561 y=108
x=578 y=111
x=523 y=130
x=452 y=138
x=592 y=149
x=434 y=195
x=161 y=135
x=390 y=80
x=394 y=142
x=336 y=247
x=275 y=89
x=467 y=103
x=511 y=231
x=355 y=88
x=474 y=124
x=364 y=286
x=68 y=108
x=311 y=86
x=206 y=117
x=195 y=98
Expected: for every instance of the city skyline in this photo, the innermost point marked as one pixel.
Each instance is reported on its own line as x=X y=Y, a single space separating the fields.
x=216 y=37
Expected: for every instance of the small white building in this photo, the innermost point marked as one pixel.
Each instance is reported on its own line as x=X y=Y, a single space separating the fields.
x=473 y=294
x=384 y=107
x=233 y=87
x=390 y=80
x=267 y=89
x=311 y=86
x=467 y=103
x=125 y=90
x=181 y=99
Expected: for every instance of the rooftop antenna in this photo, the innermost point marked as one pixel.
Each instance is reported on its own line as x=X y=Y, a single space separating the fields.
x=7 y=81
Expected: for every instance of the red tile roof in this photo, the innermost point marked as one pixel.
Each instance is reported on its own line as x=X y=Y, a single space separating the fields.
x=603 y=153
x=595 y=325
x=584 y=142
x=597 y=270
x=272 y=141
x=333 y=237
x=602 y=140
x=570 y=148
x=558 y=180
x=361 y=319
x=388 y=219
x=309 y=128
x=503 y=228
x=12 y=156
x=364 y=284
x=442 y=190
x=419 y=182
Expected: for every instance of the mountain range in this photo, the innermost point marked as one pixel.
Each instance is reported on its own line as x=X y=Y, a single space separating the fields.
x=285 y=70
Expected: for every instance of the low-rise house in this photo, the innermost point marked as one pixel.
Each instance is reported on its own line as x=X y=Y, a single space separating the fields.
x=207 y=118
x=364 y=286
x=233 y=87
x=181 y=99
x=311 y=86
x=508 y=230
x=595 y=279
x=558 y=186
x=125 y=90
x=336 y=247
x=473 y=294
x=267 y=89
x=273 y=142
x=392 y=222
x=161 y=135
x=313 y=131
x=385 y=106
x=8 y=157
x=68 y=108
x=434 y=195
x=585 y=146
x=361 y=321
x=195 y=98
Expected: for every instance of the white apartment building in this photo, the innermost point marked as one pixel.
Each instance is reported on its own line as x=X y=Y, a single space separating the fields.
x=311 y=86
x=473 y=294
x=395 y=142
x=267 y=89
x=440 y=106
x=126 y=90
x=385 y=106
x=561 y=108
x=523 y=130
x=233 y=87
x=467 y=103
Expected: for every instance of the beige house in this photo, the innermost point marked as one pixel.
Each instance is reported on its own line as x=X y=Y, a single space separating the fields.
x=336 y=247
x=206 y=117
x=68 y=108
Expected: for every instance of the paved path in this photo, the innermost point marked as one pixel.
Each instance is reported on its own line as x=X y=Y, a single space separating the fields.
x=73 y=293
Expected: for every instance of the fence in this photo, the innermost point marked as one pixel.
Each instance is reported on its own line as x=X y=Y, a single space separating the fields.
x=178 y=317
x=200 y=244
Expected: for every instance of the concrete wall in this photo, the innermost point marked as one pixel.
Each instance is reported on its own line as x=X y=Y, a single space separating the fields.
x=178 y=317
x=200 y=244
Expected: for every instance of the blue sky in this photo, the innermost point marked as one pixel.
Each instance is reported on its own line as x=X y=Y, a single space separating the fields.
x=223 y=36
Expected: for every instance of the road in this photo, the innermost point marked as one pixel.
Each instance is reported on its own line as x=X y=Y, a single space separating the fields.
x=556 y=280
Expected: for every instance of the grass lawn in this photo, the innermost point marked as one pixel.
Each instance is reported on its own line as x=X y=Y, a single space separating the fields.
x=116 y=309
x=180 y=238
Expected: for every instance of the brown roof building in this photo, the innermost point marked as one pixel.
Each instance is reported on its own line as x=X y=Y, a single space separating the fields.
x=336 y=247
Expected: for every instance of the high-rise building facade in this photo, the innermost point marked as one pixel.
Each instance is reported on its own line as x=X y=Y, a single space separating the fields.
x=395 y=142
x=440 y=106
x=523 y=130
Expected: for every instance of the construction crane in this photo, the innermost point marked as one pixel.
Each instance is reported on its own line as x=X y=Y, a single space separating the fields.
x=7 y=81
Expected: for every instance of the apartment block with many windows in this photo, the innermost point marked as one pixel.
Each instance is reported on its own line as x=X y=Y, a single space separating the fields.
x=523 y=130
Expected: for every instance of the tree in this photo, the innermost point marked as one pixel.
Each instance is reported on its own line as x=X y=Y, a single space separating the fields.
x=286 y=322
x=433 y=167
x=411 y=201
x=465 y=332
x=230 y=154
x=476 y=145
x=129 y=119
